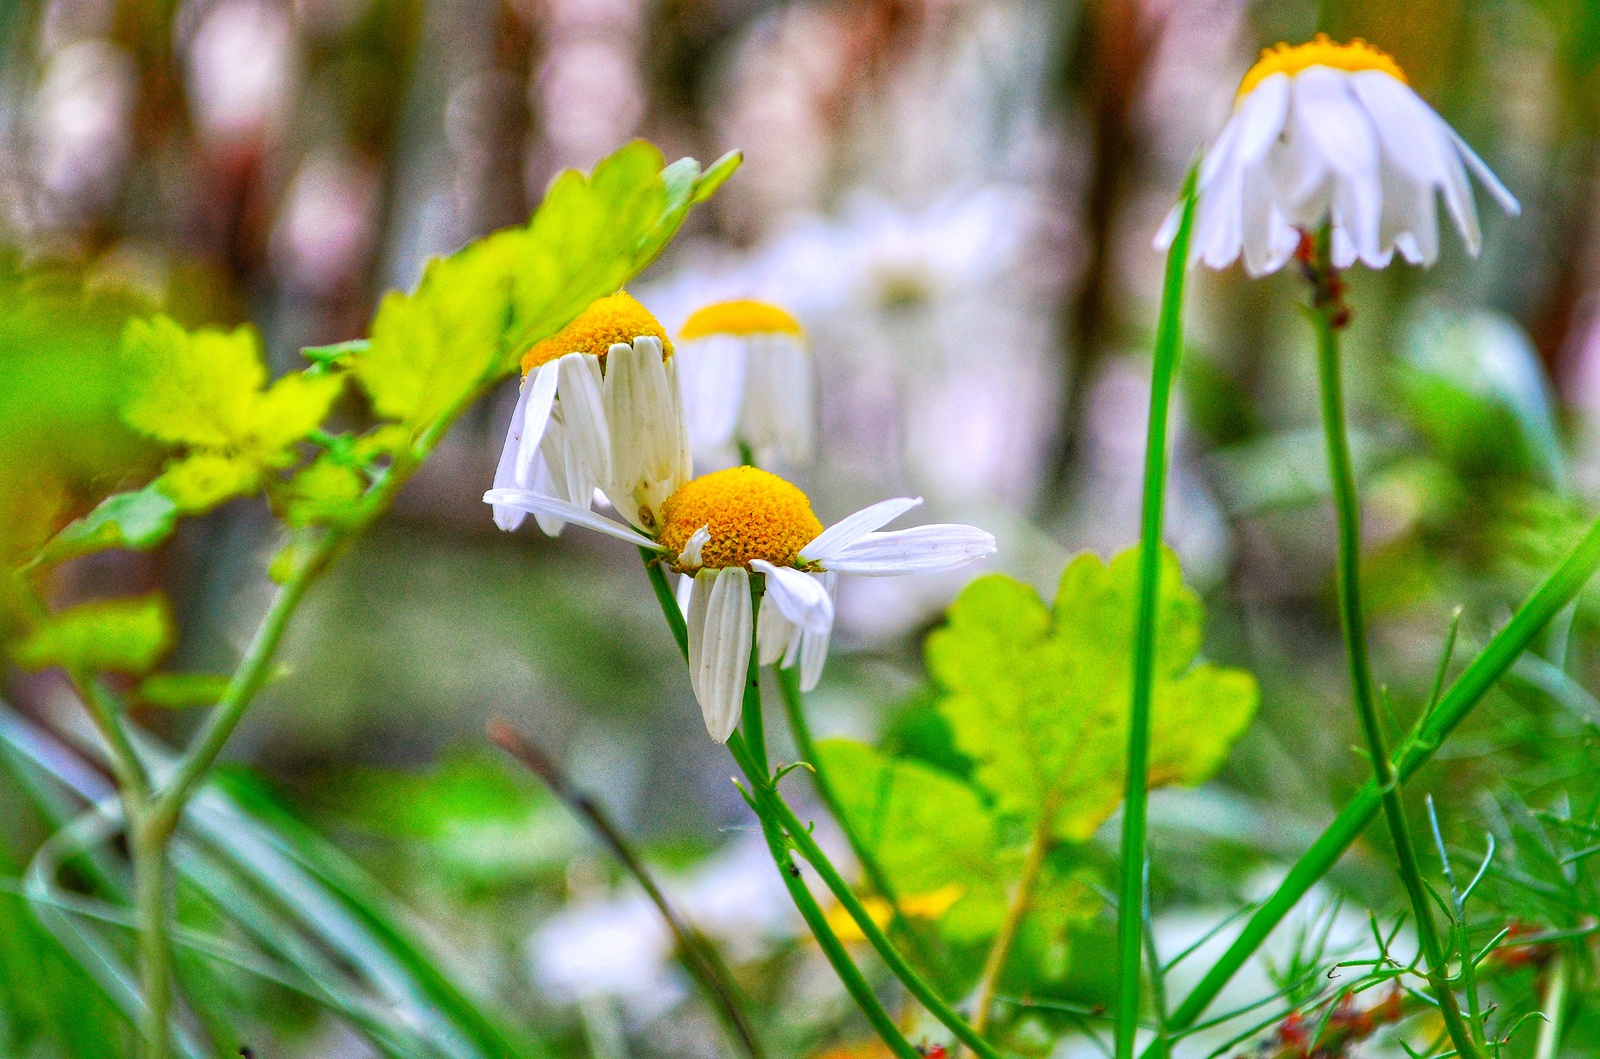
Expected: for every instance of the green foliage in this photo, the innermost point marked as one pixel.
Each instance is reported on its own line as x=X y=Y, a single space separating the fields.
x=140 y=519
x=119 y=635
x=181 y=691
x=1039 y=696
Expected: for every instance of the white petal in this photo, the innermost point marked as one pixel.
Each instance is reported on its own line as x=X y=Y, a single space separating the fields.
x=540 y=504
x=711 y=371
x=584 y=415
x=719 y=646
x=1502 y=195
x=509 y=518
x=1329 y=119
x=649 y=439
x=1261 y=118
x=690 y=556
x=919 y=550
x=814 y=645
x=777 y=638
x=541 y=390
x=852 y=528
x=798 y=596
x=549 y=476
x=684 y=592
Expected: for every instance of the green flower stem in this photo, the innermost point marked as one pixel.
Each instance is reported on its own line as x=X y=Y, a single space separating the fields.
x=1130 y=907
x=772 y=802
x=778 y=820
x=1021 y=900
x=755 y=733
x=1557 y=590
x=794 y=706
x=668 y=601
x=1353 y=623
x=696 y=952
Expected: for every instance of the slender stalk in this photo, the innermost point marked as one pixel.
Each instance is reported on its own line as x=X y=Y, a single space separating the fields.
x=1168 y=348
x=1557 y=590
x=1554 y=1007
x=794 y=707
x=668 y=601
x=1326 y=317
x=755 y=731
x=1021 y=900
x=155 y=950
x=697 y=953
x=774 y=813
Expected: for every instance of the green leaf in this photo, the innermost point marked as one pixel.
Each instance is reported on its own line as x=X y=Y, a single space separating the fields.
x=326 y=492
x=181 y=691
x=139 y=520
x=927 y=828
x=191 y=389
x=294 y=407
x=1039 y=698
x=200 y=482
x=121 y=635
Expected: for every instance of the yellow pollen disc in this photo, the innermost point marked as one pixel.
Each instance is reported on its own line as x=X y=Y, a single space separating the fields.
x=1322 y=51
x=742 y=317
x=750 y=514
x=607 y=321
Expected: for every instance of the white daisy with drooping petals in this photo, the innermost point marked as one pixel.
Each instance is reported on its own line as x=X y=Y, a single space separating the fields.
x=747 y=379
x=600 y=407
x=720 y=528
x=1329 y=133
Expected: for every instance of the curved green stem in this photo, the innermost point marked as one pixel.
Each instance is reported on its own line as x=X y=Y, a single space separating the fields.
x=1353 y=624
x=1554 y=1007
x=1131 y=903
x=668 y=601
x=794 y=707
x=149 y=850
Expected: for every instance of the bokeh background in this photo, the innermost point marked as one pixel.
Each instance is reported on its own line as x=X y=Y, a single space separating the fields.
x=957 y=198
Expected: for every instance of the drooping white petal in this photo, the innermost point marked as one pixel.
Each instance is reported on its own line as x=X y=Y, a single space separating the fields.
x=541 y=504
x=852 y=528
x=583 y=414
x=509 y=518
x=541 y=388
x=814 y=645
x=777 y=638
x=1329 y=121
x=720 y=622
x=684 y=592
x=798 y=596
x=649 y=438
x=711 y=371
x=1502 y=195
x=690 y=556
x=919 y=550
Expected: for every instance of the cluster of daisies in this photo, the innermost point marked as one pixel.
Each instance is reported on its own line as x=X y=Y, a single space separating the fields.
x=1322 y=134
x=611 y=403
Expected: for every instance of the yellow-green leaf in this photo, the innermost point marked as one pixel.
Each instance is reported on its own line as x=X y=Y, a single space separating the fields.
x=140 y=519
x=1040 y=698
x=181 y=691
x=294 y=406
x=200 y=482
x=120 y=635
x=194 y=389
x=325 y=493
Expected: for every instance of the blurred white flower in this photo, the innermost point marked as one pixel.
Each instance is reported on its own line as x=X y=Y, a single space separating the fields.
x=80 y=124
x=327 y=224
x=747 y=378
x=242 y=70
x=1332 y=133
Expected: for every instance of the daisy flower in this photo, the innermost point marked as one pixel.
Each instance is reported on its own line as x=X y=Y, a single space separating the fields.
x=600 y=407
x=1328 y=133
x=747 y=378
x=723 y=527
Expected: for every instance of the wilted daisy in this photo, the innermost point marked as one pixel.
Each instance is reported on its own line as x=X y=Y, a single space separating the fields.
x=1328 y=133
x=722 y=527
x=600 y=407
x=747 y=378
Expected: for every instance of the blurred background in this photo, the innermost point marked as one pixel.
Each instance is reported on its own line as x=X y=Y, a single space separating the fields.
x=957 y=198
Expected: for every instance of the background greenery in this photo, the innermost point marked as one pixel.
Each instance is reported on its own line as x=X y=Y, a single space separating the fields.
x=958 y=200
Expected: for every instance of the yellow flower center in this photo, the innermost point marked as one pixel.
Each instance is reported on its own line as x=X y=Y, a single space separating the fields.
x=750 y=514
x=1323 y=51
x=742 y=317
x=607 y=321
